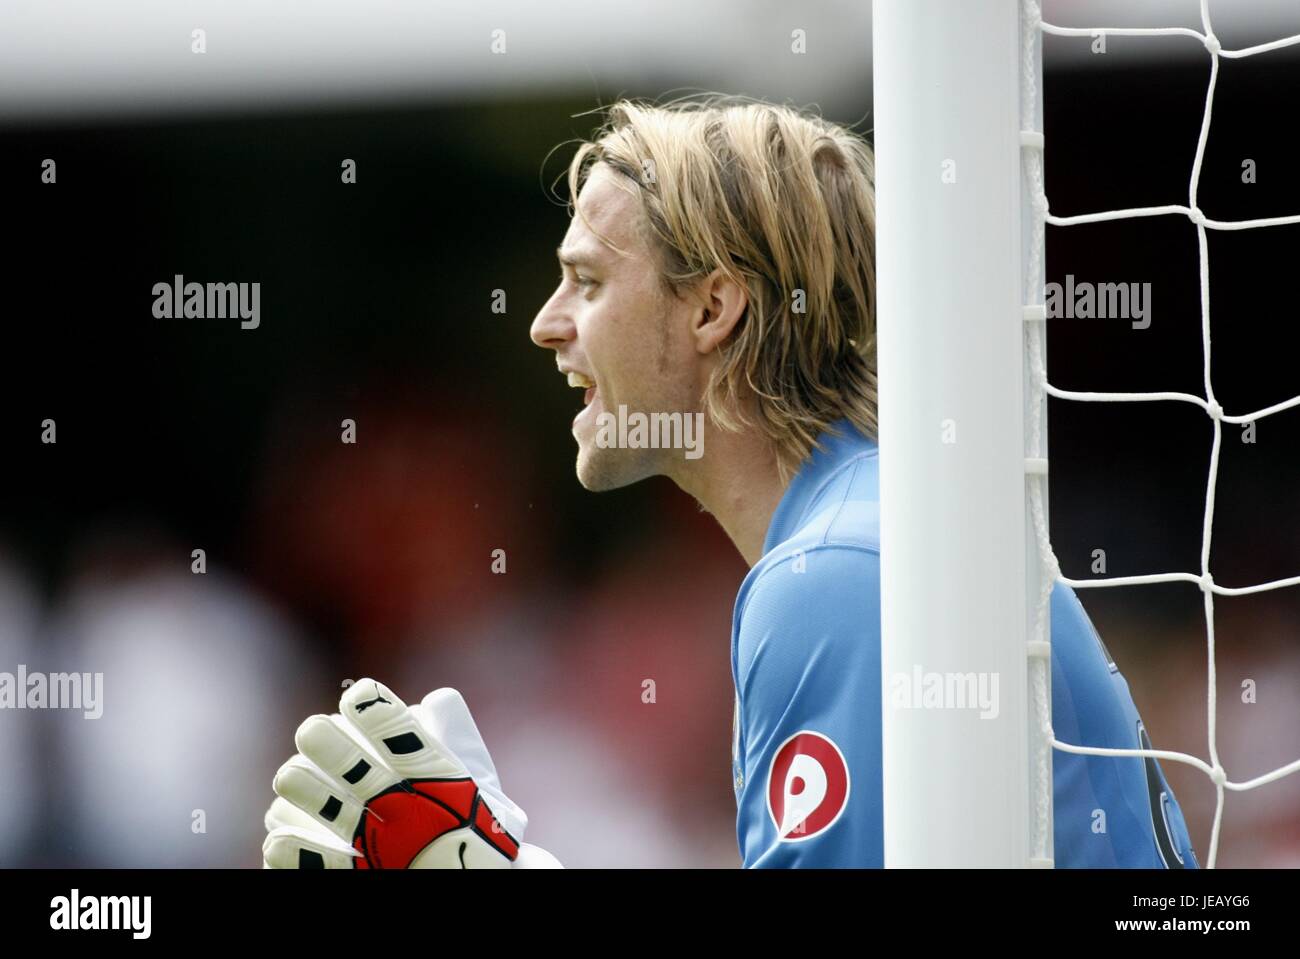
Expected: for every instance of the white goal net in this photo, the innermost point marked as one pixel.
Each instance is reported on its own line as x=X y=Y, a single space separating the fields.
x=964 y=390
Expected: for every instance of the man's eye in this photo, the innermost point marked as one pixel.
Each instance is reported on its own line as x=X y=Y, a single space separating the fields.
x=583 y=282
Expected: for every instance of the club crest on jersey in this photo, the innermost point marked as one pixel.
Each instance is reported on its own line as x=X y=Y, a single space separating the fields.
x=807 y=786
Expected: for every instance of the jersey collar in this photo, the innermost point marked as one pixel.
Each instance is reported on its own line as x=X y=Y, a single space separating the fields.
x=841 y=443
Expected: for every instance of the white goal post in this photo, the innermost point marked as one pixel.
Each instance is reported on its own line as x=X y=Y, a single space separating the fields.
x=962 y=437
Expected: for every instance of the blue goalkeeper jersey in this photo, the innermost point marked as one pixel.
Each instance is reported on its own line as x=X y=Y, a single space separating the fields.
x=805 y=658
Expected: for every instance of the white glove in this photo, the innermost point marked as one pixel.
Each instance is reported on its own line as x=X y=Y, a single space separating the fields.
x=380 y=785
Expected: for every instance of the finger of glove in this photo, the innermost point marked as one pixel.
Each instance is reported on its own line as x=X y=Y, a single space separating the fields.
x=284 y=813
x=288 y=847
x=356 y=770
x=445 y=714
x=325 y=801
x=281 y=812
x=396 y=734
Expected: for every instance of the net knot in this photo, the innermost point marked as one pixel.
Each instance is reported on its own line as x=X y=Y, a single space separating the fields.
x=1051 y=568
x=1212 y=44
x=1033 y=14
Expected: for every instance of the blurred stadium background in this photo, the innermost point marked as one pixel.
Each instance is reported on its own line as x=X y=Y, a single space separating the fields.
x=329 y=562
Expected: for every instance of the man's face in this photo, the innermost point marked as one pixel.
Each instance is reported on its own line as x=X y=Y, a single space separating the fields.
x=612 y=324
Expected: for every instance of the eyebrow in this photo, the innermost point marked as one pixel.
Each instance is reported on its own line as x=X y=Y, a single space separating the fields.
x=576 y=257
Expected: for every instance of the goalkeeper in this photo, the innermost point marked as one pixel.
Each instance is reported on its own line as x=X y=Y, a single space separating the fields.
x=720 y=262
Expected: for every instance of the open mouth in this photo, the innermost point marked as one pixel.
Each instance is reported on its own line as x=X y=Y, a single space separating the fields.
x=580 y=381
x=588 y=386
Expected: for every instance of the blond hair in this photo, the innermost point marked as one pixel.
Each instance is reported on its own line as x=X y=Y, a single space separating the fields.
x=783 y=203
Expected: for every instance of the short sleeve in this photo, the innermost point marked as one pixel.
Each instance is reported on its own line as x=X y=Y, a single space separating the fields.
x=808 y=679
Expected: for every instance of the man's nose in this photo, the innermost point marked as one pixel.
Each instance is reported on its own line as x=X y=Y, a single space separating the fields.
x=552 y=327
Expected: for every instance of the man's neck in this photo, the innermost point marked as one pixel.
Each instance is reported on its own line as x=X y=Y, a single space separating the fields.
x=737 y=480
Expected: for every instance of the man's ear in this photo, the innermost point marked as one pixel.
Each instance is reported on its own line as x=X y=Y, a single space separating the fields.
x=723 y=303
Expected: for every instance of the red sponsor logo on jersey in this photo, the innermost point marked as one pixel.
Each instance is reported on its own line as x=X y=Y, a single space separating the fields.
x=807 y=786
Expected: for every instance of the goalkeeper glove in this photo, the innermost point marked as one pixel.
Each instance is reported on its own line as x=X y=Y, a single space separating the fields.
x=380 y=785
